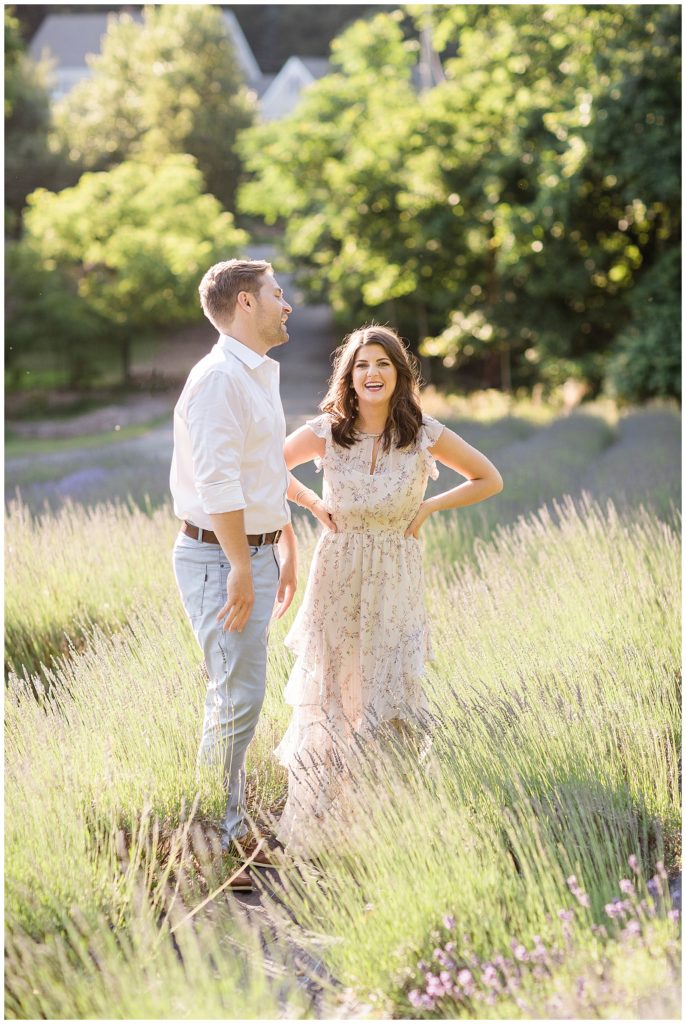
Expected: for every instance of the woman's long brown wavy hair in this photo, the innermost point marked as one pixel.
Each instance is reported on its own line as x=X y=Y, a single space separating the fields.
x=404 y=415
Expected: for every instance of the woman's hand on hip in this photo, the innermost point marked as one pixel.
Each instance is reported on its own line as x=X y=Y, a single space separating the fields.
x=423 y=513
x=319 y=511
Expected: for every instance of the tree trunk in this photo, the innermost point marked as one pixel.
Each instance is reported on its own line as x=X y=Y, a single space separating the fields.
x=422 y=332
x=505 y=370
x=125 y=352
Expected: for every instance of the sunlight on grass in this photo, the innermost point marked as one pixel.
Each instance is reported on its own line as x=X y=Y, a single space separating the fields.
x=556 y=732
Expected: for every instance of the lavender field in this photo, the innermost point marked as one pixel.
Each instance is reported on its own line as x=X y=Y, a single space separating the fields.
x=522 y=871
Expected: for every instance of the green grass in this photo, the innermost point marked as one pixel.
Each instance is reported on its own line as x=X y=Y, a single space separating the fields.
x=19 y=447
x=556 y=696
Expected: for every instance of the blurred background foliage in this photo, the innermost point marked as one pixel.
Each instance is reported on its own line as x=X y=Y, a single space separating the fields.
x=128 y=248
x=518 y=218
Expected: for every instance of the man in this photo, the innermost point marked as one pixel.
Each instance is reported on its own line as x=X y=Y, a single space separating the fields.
x=229 y=480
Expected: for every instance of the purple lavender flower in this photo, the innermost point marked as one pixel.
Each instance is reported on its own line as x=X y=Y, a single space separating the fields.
x=415 y=997
x=435 y=988
x=449 y=947
x=673 y=915
x=653 y=885
x=565 y=915
x=490 y=976
x=572 y=882
x=427 y=1003
x=446 y=978
x=613 y=910
x=539 y=951
x=633 y=864
x=465 y=978
x=520 y=952
x=449 y=922
x=633 y=929
x=422 y=965
x=626 y=887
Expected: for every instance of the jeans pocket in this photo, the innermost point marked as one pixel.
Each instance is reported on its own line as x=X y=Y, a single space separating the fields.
x=191 y=579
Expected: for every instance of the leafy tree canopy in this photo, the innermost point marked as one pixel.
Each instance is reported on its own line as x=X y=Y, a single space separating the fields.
x=503 y=217
x=30 y=161
x=132 y=244
x=168 y=84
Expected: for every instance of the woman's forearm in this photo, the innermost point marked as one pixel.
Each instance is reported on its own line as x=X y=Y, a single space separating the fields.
x=299 y=494
x=468 y=493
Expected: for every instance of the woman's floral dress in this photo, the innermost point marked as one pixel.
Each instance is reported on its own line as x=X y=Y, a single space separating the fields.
x=360 y=636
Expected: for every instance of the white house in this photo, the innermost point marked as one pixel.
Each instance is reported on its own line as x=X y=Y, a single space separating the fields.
x=282 y=95
x=67 y=39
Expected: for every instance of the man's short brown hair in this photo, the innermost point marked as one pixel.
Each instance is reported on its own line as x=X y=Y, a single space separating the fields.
x=221 y=284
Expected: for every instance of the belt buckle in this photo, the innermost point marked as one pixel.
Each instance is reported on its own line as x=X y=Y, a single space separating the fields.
x=277 y=536
x=260 y=539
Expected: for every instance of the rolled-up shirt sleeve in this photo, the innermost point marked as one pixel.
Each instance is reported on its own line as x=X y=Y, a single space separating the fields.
x=217 y=428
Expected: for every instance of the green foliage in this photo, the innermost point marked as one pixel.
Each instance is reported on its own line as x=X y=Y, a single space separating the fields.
x=275 y=31
x=44 y=317
x=170 y=84
x=30 y=160
x=132 y=243
x=646 y=359
x=503 y=217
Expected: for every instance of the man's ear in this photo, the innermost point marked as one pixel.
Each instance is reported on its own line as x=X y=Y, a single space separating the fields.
x=245 y=301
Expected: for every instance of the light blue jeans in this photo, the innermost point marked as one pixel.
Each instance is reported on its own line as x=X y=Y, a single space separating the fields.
x=236 y=662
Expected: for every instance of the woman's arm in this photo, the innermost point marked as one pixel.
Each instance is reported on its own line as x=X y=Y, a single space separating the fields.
x=301 y=446
x=482 y=478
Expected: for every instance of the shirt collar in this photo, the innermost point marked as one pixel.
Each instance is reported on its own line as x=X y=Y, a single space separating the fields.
x=246 y=355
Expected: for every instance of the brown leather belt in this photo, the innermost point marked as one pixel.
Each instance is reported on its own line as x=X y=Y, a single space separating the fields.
x=255 y=540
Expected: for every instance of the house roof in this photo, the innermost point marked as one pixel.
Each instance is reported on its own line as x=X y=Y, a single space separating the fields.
x=317 y=66
x=70 y=37
x=282 y=94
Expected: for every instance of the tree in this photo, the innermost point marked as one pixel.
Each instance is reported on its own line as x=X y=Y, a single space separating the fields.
x=331 y=170
x=275 y=31
x=168 y=84
x=132 y=243
x=30 y=162
x=503 y=217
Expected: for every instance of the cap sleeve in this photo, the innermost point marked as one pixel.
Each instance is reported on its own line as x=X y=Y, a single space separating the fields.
x=321 y=426
x=429 y=435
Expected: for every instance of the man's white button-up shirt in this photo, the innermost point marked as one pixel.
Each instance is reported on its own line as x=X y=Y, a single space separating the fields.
x=229 y=430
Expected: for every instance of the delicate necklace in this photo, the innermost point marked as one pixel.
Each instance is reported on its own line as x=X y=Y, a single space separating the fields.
x=365 y=433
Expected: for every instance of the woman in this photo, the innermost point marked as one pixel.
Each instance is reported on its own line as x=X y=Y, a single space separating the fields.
x=361 y=635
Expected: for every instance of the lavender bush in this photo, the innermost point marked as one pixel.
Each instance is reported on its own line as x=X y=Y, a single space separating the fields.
x=578 y=958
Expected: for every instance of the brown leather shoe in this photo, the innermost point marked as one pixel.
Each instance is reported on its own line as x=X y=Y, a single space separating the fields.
x=241 y=882
x=245 y=847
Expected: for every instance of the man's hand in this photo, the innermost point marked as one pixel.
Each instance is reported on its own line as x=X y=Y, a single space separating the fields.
x=240 y=598
x=288 y=583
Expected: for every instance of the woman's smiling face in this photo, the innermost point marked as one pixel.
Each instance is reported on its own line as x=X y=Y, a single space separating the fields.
x=374 y=376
